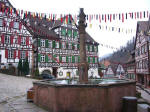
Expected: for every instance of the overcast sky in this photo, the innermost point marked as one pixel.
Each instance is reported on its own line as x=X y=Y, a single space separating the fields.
x=112 y=38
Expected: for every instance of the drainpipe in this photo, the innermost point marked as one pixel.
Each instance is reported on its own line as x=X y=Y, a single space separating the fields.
x=148 y=61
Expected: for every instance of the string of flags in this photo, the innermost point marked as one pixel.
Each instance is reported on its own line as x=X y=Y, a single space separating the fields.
x=89 y=17
x=117 y=29
x=108 y=46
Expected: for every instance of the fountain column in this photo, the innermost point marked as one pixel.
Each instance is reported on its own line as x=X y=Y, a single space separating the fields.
x=83 y=65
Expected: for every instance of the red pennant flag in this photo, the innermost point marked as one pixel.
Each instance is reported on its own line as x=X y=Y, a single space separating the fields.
x=110 y=17
x=140 y=15
x=26 y=14
x=105 y=18
x=99 y=18
x=89 y=18
x=122 y=17
x=135 y=15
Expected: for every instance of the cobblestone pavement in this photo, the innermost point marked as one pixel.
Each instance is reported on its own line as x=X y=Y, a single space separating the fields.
x=144 y=94
x=13 y=94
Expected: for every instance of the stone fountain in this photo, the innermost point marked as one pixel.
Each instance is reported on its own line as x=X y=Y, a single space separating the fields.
x=83 y=95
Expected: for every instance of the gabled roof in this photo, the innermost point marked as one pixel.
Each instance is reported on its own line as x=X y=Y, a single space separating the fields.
x=41 y=27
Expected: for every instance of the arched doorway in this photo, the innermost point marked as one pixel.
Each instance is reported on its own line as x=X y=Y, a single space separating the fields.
x=46 y=72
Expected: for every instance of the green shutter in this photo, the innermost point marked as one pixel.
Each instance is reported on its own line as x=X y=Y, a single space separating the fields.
x=97 y=48
x=93 y=48
x=78 y=58
x=75 y=34
x=39 y=42
x=73 y=59
x=93 y=59
x=97 y=60
x=59 y=45
x=46 y=58
x=88 y=59
x=73 y=46
x=39 y=57
x=67 y=59
x=54 y=58
x=78 y=46
x=88 y=47
x=46 y=43
x=54 y=44
x=67 y=45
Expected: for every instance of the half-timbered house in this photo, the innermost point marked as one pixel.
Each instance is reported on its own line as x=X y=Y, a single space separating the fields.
x=15 y=39
x=142 y=52
x=56 y=47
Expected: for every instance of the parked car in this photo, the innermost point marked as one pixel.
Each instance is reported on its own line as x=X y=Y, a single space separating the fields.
x=47 y=76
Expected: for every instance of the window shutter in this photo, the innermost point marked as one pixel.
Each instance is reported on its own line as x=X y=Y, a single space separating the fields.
x=27 y=41
x=78 y=46
x=73 y=46
x=18 y=54
x=53 y=44
x=93 y=48
x=4 y=23
x=14 y=54
x=39 y=42
x=6 y=53
x=11 y=39
x=26 y=53
x=97 y=48
x=73 y=59
x=2 y=38
x=78 y=58
x=88 y=59
x=59 y=45
x=46 y=58
x=93 y=59
x=39 y=57
x=67 y=59
x=46 y=43
x=67 y=45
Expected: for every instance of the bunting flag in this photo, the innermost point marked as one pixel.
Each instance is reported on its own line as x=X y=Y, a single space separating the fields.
x=105 y=17
x=117 y=29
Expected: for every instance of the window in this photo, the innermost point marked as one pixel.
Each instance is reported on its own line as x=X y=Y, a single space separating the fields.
x=16 y=25
x=23 y=41
x=50 y=44
x=63 y=59
x=76 y=47
x=23 y=55
x=91 y=48
x=10 y=54
x=70 y=46
x=42 y=58
x=69 y=33
x=1 y=22
x=42 y=43
x=49 y=58
x=7 y=39
x=69 y=58
x=95 y=59
x=76 y=59
x=63 y=45
x=57 y=45
x=63 y=32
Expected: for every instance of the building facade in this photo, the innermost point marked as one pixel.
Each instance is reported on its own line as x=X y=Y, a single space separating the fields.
x=56 y=48
x=131 y=71
x=15 y=39
x=142 y=53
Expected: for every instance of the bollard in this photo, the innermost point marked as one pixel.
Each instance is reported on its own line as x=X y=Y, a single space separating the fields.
x=129 y=104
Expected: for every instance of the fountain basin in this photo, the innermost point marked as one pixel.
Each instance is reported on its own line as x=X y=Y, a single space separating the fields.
x=66 y=96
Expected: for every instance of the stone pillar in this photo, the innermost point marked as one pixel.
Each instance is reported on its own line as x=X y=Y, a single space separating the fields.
x=83 y=65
